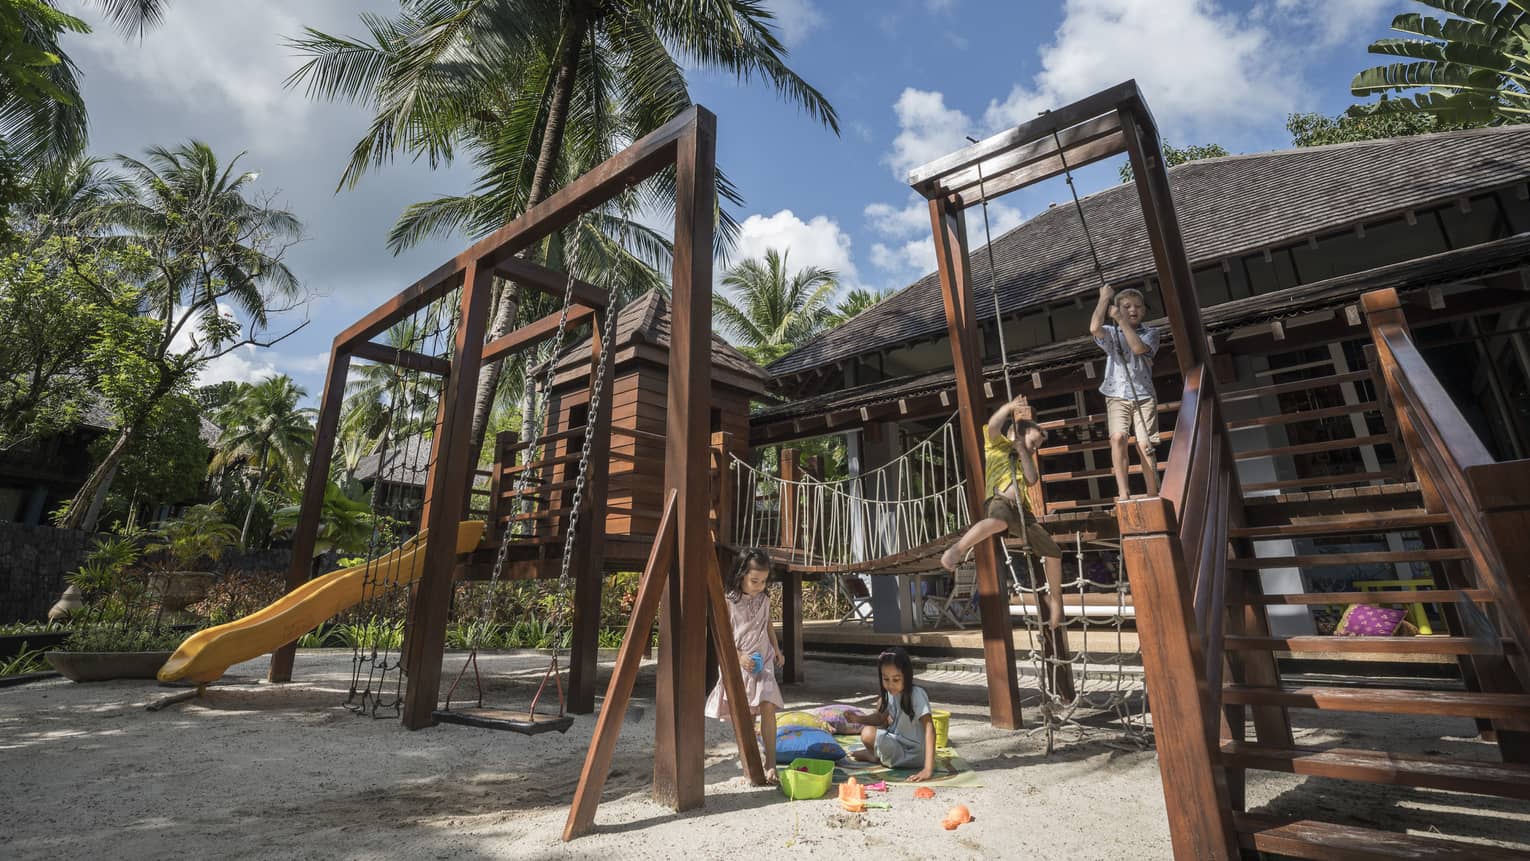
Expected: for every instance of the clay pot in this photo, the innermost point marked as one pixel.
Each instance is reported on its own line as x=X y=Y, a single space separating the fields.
x=105 y=666
x=178 y=590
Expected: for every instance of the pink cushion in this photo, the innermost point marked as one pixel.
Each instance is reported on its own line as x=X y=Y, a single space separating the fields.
x=1368 y=620
x=834 y=716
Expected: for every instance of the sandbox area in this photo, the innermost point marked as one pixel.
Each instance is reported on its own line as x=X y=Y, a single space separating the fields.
x=285 y=771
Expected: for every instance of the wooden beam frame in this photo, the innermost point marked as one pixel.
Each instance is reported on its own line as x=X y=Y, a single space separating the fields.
x=535 y=333
x=551 y=281
x=386 y=355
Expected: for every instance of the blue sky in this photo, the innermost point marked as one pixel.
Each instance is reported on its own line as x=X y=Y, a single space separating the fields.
x=909 y=78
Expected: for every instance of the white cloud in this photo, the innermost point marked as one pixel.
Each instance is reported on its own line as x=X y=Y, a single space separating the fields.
x=928 y=130
x=796 y=19
x=1199 y=66
x=1335 y=23
x=244 y=365
x=819 y=241
x=910 y=251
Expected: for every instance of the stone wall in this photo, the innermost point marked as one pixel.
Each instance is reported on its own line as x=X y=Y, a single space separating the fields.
x=34 y=561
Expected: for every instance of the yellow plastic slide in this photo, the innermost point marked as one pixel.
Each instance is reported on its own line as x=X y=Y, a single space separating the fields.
x=207 y=654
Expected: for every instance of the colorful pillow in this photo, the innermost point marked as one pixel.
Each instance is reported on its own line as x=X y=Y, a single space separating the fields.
x=794 y=742
x=833 y=717
x=807 y=720
x=1369 y=620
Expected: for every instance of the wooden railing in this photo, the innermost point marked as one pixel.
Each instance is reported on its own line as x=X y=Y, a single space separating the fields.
x=1489 y=500
x=1174 y=549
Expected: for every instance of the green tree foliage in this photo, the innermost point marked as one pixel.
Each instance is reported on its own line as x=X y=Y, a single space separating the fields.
x=345 y=523
x=266 y=435
x=1173 y=155
x=42 y=117
x=854 y=302
x=536 y=92
x=212 y=253
x=168 y=461
x=62 y=313
x=1358 y=124
x=216 y=396
x=767 y=310
x=1467 y=68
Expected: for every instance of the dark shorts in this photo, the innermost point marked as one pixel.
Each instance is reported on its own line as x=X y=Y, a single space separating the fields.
x=1003 y=508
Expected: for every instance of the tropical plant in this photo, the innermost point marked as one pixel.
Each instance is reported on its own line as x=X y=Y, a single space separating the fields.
x=345 y=524
x=23 y=662
x=772 y=309
x=42 y=117
x=1174 y=155
x=1472 y=66
x=211 y=252
x=537 y=92
x=267 y=434
x=202 y=531
x=166 y=464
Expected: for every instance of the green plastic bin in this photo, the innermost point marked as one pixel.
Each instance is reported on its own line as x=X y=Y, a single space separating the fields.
x=812 y=783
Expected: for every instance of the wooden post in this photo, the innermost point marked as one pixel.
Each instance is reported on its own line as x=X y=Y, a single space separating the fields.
x=680 y=738
x=1502 y=490
x=451 y=470
x=589 y=558
x=1194 y=786
x=790 y=473
x=307 y=531
x=961 y=324
x=791 y=581
x=1145 y=151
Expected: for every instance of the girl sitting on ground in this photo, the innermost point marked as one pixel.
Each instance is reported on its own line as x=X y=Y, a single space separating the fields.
x=901 y=732
x=758 y=655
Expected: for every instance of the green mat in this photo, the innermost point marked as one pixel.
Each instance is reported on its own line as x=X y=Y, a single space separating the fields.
x=950 y=768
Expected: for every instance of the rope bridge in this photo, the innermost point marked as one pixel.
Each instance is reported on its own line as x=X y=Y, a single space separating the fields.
x=901 y=513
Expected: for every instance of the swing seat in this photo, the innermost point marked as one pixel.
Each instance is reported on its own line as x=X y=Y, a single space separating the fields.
x=505 y=719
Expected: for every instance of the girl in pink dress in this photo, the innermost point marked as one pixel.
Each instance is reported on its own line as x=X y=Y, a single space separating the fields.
x=758 y=655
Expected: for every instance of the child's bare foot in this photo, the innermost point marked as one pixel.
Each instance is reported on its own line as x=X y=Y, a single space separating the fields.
x=863 y=755
x=770 y=777
x=951 y=558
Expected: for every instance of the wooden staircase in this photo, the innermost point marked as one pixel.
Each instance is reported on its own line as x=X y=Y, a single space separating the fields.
x=1222 y=706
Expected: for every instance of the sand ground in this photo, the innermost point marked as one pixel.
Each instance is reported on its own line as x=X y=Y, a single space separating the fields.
x=284 y=771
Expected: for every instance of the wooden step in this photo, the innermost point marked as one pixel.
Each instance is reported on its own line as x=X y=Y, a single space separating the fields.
x=1322 y=481
x=1296 y=386
x=1314 y=447
x=1384 y=700
x=1097 y=418
x=1426 y=645
x=1364 y=524
x=1368 y=494
x=1399 y=596
x=1078 y=475
x=1096 y=445
x=1327 y=841
x=1380 y=557
x=538 y=490
x=1369 y=766
x=568 y=433
x=1303 y=416
x=538 y=464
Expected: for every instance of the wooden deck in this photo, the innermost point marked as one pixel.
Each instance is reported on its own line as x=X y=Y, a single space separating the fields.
x=832 y=635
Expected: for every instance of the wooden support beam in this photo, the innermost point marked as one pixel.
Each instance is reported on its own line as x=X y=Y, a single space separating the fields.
x=680 y=745
x=551 y=281
x=383 y=354
x=961 y=324
x=450 y=472
x=588 y=561
x=306 y=534
x=1026 y=157
x=535 y=333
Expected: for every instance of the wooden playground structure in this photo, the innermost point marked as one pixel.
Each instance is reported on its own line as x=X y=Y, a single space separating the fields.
x=1208 y=655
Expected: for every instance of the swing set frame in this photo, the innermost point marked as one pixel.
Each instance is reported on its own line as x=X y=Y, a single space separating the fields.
x=683 y=572
x=1108 y=123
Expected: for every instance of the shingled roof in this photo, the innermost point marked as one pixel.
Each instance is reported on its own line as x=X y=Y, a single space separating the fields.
x=1226 y=207
x=646 y=320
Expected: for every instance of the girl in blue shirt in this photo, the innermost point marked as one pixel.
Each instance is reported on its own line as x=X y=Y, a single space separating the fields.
x=900 y=733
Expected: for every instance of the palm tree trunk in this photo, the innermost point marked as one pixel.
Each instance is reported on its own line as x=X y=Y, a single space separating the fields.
x=574 y=31
x=80 y=505
x=249 y=511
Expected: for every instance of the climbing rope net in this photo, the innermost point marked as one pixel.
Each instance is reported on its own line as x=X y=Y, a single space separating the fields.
x=907 y=504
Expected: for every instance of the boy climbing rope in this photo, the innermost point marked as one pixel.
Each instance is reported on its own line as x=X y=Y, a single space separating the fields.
x=1128 y=383
x=1010 y=444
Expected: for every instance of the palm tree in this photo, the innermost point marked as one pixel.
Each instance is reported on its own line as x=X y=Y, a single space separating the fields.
x=1473 y=68
x=537 y=91
x=773 y=309
x=42 y=117
x=266 y=432
x=854 y=302
x=210 y=251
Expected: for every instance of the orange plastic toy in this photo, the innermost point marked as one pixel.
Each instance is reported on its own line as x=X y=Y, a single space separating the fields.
x=852 y=796
x=956 y=816
x=924 y=792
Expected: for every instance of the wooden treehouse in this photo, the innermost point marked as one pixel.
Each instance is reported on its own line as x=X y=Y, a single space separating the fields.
x=639 y=401
x=1341 y=391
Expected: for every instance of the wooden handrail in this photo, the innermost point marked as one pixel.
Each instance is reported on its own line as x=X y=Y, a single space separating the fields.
x=1488 y=500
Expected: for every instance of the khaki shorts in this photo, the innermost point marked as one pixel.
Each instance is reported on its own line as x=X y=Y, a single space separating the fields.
x=1118 y=418
x=1003 y=508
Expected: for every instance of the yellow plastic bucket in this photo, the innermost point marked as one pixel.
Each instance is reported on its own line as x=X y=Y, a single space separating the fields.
x=942 y=721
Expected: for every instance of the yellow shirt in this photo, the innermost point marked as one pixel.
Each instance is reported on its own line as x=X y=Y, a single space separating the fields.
x=997 y=472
